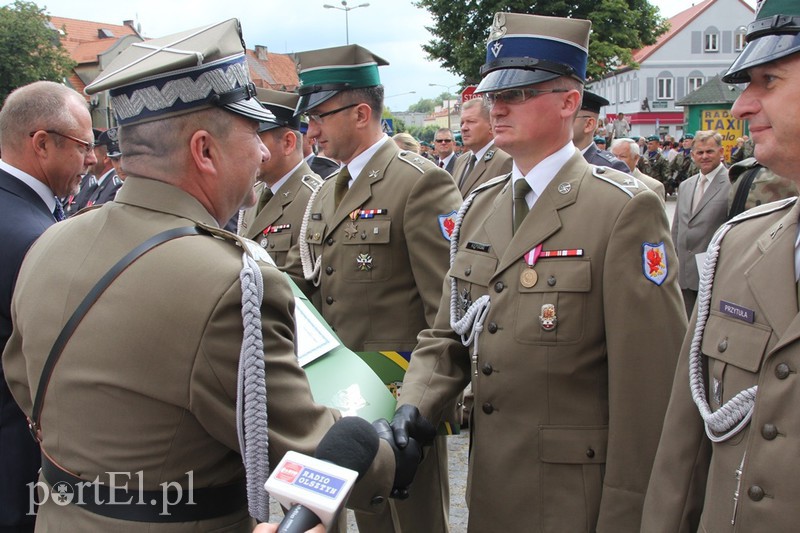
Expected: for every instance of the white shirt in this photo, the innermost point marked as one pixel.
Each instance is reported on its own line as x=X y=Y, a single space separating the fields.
x=38 y=187
x=542 y=174
x=358 y=163
x=275 y=188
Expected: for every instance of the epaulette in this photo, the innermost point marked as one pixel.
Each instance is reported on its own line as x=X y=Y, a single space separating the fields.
x=750 y=162
x=608 y=157
x=250 y=247
x=491 y=183
x=763 y=209
x=312 y=181
x=618 y=179
x=413 y=159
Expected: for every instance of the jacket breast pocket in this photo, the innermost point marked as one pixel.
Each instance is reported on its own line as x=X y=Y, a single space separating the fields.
x=735 y=349
x=279 y=242
x=472 y=272
x=553 y=310
x=366 y=250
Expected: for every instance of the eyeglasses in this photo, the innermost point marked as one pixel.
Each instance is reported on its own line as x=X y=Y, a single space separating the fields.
x=443 y=140
x=517 y=96
x=87 y=146
x=318 y=118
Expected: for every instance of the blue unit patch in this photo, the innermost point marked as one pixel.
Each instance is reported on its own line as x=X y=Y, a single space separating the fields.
x=447 y=223
x=654 y=262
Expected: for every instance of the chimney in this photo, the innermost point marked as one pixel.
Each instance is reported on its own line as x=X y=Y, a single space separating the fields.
x=261 y=52
x=128 y=23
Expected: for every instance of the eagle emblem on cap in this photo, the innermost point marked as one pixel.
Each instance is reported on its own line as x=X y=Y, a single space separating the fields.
x=498 y=29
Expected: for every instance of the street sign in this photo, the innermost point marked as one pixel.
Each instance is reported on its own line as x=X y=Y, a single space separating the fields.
x=469 y=93
x=387 y=125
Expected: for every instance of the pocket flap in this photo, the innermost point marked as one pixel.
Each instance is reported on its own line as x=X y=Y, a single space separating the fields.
x=315 y=232
x=568 y=276
x=735 y=342
x=370 y=231
x=473 y=267
x=280 y=242
x=573 y=444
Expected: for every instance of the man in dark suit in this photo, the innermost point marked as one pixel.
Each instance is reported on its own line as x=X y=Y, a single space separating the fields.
x=483 y=160
x=702 y=208
x=44 y=156
x=444 y=146
x=583 y=134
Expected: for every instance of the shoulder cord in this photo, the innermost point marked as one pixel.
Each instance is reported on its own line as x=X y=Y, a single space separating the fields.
x=310 y=272
x=251 y=393
x=470 y=323
x=732 y=417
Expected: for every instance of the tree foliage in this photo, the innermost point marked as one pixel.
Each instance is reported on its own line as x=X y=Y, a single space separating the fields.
x=618 y=26
x=29 y=47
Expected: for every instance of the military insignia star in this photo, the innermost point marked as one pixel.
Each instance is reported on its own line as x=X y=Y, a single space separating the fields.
x=373 y=174
x=350 y=231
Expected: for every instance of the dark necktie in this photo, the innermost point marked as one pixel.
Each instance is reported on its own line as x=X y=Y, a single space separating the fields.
x=58 y=212
x=266 y=196
x=441 y=163
x=467 y=170
x=521 y=189
x=342 y=185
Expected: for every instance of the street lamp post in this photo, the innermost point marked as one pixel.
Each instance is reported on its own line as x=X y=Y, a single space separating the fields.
x=448 y=87
x=347 y=11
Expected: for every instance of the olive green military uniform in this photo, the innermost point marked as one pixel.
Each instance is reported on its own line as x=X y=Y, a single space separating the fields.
x=682 y=167
x=380 y=281
x=657 y=166
x=750 y=481
x=573 y=369
x=749 y=190
x=494 y=162
x=148 y=381
x=276 y=227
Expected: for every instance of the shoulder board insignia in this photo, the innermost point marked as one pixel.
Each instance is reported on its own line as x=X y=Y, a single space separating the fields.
x=762 y=210
x=312 y=181
x=750 y=162
x=252 y=249
x=489 y=155
x=413 y=159
x=614 y=177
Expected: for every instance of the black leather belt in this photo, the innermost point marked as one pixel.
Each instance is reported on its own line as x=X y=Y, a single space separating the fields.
x=148 y=505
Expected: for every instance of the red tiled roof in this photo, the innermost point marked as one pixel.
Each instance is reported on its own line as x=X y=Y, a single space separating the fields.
x=76 y=83
x=84 y=30
x=677 y=23
x=278 y=71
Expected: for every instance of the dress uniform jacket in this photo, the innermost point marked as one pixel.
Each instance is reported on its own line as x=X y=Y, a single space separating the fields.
x=381 y=280
x=651 y=183
x=692 y=231
x=107 y=190
x=495 y=162
x=566 y=420
x=24 y=217
x=285 y=208
x=604 y=158
x=694 y=480
x=147 y=383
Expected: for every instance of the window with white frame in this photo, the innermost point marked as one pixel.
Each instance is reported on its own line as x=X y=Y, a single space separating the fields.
x=711 y=39
x=738 y=38
x=693 y=83
x=664 y=89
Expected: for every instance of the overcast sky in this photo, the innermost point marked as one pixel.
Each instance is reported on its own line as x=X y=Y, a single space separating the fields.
x=392 y=29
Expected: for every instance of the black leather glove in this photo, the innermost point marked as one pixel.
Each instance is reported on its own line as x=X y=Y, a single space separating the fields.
x=407 y=424
x=406 y=459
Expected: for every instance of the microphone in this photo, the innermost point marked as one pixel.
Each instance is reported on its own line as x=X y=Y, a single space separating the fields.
x=315 y=488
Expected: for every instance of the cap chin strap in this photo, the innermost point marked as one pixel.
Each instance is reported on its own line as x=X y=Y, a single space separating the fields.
x=318 y=88
x=245 y=92
x=773 y=25
x=528 y=63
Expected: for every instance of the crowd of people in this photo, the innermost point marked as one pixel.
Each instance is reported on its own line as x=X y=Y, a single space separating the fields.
x=615 y=371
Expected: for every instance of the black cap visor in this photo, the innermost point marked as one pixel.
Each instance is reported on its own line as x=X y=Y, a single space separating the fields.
x=759 y=51
x=510 y=78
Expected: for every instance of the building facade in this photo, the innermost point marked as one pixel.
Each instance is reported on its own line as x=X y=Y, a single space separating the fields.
x=701 y=43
